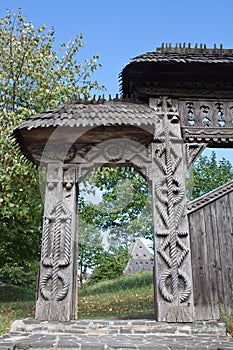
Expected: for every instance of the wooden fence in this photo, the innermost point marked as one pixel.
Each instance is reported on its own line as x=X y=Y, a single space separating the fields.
x=211 y=231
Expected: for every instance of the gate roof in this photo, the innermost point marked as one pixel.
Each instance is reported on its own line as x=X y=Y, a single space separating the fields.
x=79 y=120
x=93 y=113
x=169 y=70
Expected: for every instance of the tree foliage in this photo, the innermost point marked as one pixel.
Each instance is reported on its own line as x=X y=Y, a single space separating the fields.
x=90 y=249
x=33 y=77
x=110 y=265
x=125 y=207
x=208 y=174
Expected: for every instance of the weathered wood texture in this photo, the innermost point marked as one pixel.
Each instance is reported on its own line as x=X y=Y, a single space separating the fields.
x=57 y=285
x=173 y=270
x=211 y=232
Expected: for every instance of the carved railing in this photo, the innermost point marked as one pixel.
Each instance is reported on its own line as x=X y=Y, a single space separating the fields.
x=208 y=121
x=204 y=114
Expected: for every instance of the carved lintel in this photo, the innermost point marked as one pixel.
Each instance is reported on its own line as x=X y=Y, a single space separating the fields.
x=118 y=153
x=208 y=135
x=118 y=150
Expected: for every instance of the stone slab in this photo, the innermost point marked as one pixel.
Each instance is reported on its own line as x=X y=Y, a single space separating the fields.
x=30 y=334
x=98 y=327
x=110 y=342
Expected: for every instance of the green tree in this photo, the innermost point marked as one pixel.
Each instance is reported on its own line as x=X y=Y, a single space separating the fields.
x=90 y=249
x=125 y=209
x=33 y=77
x=110 y=265
x=208 y=174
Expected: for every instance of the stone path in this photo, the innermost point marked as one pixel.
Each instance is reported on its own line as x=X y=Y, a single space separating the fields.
x=112 y=335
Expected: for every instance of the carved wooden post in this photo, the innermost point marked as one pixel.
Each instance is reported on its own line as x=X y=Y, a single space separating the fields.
x=173 y=270
x=57 y=285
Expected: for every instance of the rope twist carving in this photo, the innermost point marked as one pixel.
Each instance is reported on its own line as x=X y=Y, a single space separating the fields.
x=53 y=254
x=170 y=192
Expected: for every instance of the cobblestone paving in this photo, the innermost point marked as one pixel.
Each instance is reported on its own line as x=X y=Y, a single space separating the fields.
x=140 y=335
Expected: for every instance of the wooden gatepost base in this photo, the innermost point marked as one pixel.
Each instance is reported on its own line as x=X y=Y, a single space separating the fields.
x=115 y=334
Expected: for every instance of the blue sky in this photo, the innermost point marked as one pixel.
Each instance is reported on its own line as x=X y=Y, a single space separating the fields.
x=120 y=30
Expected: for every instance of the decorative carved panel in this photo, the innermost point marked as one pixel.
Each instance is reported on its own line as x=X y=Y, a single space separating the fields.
x=56 y=294
x=117 y=152
x=174 y=299
x=56 y=252
x=206 y=113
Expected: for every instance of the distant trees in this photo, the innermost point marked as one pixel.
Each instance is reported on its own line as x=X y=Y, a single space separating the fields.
x=90 y=249
x=110 y=265
x=208 y=174
x=125 y=210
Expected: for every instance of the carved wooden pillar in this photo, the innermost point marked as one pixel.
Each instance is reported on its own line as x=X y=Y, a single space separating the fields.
x=173 y=268
x=57 y=285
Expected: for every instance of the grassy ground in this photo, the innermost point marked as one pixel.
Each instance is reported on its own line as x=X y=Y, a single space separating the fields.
x=125 y=297
x=128 y=296
x=15 y=303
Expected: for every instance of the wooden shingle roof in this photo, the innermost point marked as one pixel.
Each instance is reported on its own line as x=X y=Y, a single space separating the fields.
x=90 y=122
x=78 y=113
x=183 y=54
x=179 y=64
x=183 y=58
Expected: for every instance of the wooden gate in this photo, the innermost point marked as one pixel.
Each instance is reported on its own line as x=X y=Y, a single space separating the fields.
x=211 y=232
x=174 y=103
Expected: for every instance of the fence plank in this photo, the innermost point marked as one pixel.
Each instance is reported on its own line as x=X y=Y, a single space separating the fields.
x=211 y=233
x=203 y=309
x=213 y=259
x=225 y=244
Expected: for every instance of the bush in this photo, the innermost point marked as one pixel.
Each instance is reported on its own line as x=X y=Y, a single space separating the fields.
x=228 y=320
x=11 y=294
x=110 y=266
x=1 y=325
x=19 y=275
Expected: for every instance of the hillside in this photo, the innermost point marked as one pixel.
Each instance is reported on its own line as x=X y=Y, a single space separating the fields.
x=126 y=297
x=130 y=296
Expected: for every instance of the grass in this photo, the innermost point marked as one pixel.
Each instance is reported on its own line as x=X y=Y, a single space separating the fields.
x=15 y=303
x=228 y=320
x=126 y=297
